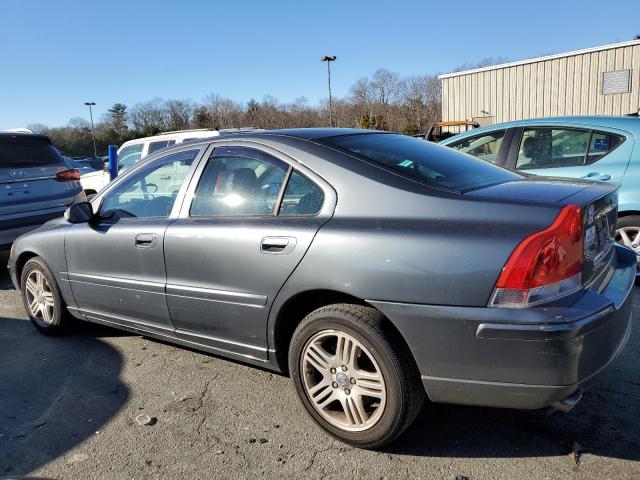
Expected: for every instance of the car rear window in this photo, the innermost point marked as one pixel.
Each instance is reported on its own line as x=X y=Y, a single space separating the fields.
x=27 y=151
x=423 y=161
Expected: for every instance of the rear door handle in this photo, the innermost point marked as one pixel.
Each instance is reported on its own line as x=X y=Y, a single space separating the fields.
x=146 y=240
x=597 y=176
x=277 y=245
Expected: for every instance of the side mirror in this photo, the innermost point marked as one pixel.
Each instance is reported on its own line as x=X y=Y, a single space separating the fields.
x=79 y=213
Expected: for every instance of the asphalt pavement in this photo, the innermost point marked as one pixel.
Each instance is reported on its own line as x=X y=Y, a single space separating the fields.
x=71 y=408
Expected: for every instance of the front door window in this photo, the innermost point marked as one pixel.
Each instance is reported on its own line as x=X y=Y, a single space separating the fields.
x=151 y=192
x=484 y=146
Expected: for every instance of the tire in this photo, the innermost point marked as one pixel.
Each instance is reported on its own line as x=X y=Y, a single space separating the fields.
x=630 y=223
x=52 y=317
x=375 y=396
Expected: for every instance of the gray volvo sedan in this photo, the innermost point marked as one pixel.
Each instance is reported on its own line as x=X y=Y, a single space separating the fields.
x=376 y=269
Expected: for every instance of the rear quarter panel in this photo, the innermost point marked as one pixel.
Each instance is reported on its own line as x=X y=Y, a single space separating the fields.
x=451 y=256
x=629 y=194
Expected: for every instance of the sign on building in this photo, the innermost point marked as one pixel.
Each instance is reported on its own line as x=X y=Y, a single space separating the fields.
x=616 y=81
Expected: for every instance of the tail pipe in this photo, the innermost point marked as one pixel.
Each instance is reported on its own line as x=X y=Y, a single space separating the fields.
x=565 y=405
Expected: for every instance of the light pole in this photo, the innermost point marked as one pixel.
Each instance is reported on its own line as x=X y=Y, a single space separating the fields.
x=93 y=132
x=329 y=59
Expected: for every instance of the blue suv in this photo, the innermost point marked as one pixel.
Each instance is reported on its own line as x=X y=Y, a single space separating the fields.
x=596 y=148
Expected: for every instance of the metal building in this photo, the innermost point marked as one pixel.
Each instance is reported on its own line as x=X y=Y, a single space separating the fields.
x=595 y=81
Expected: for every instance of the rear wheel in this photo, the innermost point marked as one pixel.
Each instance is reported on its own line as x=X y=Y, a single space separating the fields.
x=42 y=299
x=354 y=377
x=628 y=232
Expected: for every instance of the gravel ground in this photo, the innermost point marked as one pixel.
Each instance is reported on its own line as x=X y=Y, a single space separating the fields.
x=68 y=409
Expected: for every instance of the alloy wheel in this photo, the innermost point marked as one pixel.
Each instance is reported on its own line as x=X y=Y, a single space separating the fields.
x=630 y=237
x=343 y=381
x=40 y=299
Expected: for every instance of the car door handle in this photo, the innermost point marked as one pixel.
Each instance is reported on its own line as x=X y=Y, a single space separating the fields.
x=597 y=176
x=277 y=245
x=146 y=240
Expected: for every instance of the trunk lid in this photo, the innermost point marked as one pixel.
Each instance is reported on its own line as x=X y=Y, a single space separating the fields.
x=599 y=206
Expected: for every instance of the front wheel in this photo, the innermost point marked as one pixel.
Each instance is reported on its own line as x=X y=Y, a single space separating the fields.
x=354 y=376
x=41 y=297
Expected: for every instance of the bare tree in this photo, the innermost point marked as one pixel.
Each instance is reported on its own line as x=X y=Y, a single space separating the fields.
x=179 y=114
x=150 y=117
x=385 y=100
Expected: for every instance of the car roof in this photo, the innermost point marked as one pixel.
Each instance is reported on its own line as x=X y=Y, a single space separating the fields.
x=606 y=121
x=315 y=133
x=24 y=135
x=200 y=133
x=297 y=134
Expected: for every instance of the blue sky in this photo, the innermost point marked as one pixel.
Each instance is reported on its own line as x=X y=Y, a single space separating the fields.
x=58 y=54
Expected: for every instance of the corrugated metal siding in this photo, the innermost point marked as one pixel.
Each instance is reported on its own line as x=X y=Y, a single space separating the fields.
x=570 y=85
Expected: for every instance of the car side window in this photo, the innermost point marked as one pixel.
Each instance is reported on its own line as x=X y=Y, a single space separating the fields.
x=238 y=181
x=545 y=147
x=152 y=191
x=484 y=146
x=130 y=155
x=301 y=196
x=601 y=144
x=155 y=146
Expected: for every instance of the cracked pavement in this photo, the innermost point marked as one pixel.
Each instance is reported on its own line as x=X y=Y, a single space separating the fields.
x=68 y=408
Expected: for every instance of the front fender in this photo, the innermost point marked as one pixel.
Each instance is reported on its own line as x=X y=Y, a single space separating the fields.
x=46 y=242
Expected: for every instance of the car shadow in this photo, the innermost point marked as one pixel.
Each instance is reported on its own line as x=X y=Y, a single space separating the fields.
x=55 y=392
x=5 y=281
x=605 y=423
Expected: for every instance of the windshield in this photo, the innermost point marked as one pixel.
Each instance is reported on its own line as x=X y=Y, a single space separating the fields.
x=423 y=161
x=21 y=151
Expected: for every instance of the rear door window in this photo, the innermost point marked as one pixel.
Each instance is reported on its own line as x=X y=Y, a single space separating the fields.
x=552 y=148
x=239 y=181
x=155 y=146
x=422 y=161
x=301 y=196
x=602 y=144
x=547 y=147
x=22 y=151
x=485 y=146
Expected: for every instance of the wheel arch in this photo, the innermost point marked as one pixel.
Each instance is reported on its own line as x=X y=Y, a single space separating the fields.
x=298 y=306
x=21 y=261
x=628 y=213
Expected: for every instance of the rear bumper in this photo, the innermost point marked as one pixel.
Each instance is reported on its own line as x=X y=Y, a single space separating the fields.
x=12 y=226
x=527 y=359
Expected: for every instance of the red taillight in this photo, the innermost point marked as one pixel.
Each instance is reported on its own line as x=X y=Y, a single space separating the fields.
x=549 y=258
x=68 y=175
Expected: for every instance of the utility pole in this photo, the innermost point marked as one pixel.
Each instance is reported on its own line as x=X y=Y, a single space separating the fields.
x=329 y=59
x=93 y=132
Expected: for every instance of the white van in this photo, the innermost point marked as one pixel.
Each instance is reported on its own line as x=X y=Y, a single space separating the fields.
x=134 y=150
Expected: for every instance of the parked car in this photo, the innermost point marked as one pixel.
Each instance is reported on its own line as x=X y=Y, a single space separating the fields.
x=133 y=151
x=36 y=184
x=83 y=167
x=94 y=163
x=442 y=130
x=376 y=269
x=595 y=148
